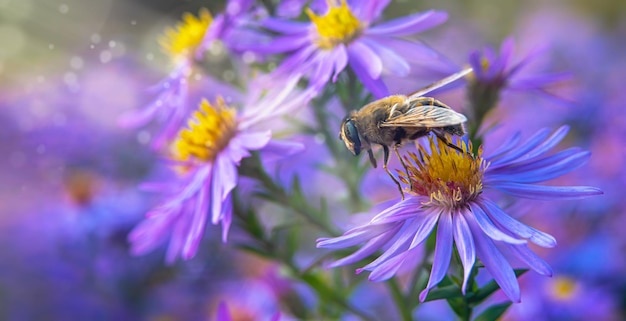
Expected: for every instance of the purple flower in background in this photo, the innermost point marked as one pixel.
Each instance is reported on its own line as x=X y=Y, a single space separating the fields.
x=207 y=155
x=345 y=35
x=185 y=44
x=446 y=190
x=494 y=72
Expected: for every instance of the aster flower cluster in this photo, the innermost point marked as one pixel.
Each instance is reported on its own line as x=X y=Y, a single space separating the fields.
x=313 y=64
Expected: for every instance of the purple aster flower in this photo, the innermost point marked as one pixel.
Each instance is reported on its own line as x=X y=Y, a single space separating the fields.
x=347 y=35
x=446 y=189
x=494 y=72
x=184 y=45
x=207 y=155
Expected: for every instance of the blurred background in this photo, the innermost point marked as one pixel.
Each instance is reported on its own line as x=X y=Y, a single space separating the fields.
x=69 y=173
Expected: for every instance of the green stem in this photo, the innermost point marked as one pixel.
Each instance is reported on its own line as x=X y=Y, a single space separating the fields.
x=280 y=196
x=401 y=303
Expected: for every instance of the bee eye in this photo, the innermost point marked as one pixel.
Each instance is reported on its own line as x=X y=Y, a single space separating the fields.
x=352 y=134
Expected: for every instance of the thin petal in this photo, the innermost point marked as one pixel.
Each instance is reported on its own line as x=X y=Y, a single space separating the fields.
x=516 y=227
x=465 y=245
x=198 y=224
x=531 y=259
x=409 y=25
x=443 y=252
x=488 y=227
x=392 y=62
x=373 y=244
x=496 y=264
x=356 y=236
x=366 y=58
x=375 y=86
x=285 y=26
x=341 y=61
x=400 y=244
x=275 y=150
x=540 y=192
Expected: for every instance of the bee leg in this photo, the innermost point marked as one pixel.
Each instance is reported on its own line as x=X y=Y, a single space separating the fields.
x=385 y=161
x=406 y=169
x=372 y=158
x=445 y=141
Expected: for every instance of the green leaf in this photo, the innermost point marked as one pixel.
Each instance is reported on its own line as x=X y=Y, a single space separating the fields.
x=493 y=312
x=446 y=292
x=491 y=287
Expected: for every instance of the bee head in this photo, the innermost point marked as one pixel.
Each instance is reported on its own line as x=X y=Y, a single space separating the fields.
x=350 y=136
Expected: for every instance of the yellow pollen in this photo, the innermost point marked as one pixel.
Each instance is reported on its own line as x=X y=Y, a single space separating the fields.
x=187 y=36
x=448 y=177
x=563 y=288
x=337 y=26
x=209 y=132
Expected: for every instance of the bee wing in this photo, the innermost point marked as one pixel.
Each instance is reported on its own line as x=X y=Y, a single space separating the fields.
x=426 y=116
x=440 y=83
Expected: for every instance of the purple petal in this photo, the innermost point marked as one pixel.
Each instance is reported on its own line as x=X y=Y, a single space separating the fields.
x=222 y=183
x=392 y=62
x=227 y=217
x=390 y=267
x=431 y=218
x=245 y=141
x=500 y=63
x=356 y=236
x=522 y=150
x=537 y=81
x=464 y=244
x=531 y=259
x=505 y=147
x=375 y=86
x=324 y=68
x=548 y=193
x=275 y=150
x=400 y=244
x=134 y=119
x=399 y=211
x=285 y=26
x=411 y=51
x=365 y=58
x=368 y=11
x=373 y=244
x=341 y=61
x=539 y=171
x=496 y=264
x=177 y=239
x=409 y=25
x=476 y=62
x=198 y=224
x=443 y=251
x=516 y=227
x=487 y=226
x=277 y=45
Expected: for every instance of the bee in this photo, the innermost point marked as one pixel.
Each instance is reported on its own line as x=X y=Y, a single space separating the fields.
x=393 y=120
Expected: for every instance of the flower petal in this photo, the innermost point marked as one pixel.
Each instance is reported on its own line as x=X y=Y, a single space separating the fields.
x=516 y=227
x=443 y=251
x=366 y=58
x=482 y=220
x=409 y=24
x=495 y=263
x=464 y=244
x=540 y=192
x=392 y=62
x=373 y=244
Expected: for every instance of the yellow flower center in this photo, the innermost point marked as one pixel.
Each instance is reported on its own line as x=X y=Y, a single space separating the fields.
x=209 y=132
x=448 y=177
x=338 y=26
x=563 y=288
x=187 y=36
